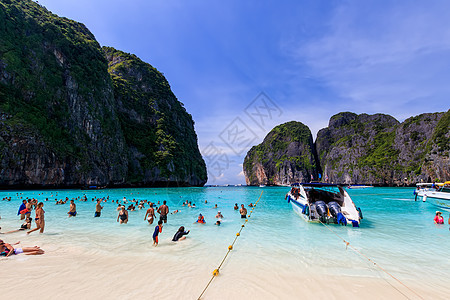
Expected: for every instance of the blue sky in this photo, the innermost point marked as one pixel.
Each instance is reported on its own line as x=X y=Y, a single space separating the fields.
x=243 y=67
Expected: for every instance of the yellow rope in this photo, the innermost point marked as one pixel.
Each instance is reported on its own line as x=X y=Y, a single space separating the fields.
x=216 y=271
x=347 y=244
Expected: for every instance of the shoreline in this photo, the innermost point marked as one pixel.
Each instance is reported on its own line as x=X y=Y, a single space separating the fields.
x=72 y=273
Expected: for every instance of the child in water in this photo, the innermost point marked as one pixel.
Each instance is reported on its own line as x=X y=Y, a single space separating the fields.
x=200 y=219
x=158 y=229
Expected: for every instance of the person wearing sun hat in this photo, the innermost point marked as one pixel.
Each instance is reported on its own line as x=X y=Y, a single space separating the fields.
x=438 y=219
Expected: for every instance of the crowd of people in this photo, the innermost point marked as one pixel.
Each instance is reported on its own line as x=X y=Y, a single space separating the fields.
x=29 y=205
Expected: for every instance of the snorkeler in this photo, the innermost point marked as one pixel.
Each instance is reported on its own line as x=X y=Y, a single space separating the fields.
x=158 y=230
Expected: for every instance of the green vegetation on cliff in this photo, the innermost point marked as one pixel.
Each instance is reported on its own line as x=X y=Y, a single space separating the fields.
x=65 y=117
x=34 y=44
x=163 y=131
x=286 y=148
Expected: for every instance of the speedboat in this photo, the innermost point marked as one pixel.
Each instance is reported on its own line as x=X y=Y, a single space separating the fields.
x=422 y=188
x=440 y=197
x=324 y=203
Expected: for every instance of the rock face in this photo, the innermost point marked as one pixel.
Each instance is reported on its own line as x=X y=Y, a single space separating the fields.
x=158 y=130
x=61 y=124
x=373 y=149
x=285 y=156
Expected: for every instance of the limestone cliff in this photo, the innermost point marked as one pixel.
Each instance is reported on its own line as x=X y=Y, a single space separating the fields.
x=158 y=130
x=378 y=150
x=61 y=124
x=285 y=156
x=370 y=149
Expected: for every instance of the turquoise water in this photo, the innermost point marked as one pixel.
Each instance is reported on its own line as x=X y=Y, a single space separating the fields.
x=396 y=232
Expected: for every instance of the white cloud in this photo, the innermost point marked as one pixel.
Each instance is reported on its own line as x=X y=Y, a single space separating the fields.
x=391 y=58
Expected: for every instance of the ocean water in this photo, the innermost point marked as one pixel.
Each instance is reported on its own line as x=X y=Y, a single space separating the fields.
x=276 y=250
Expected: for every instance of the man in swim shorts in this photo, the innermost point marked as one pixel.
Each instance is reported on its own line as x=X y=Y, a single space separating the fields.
x=73 y=209
x=98 y=209
x=158 y=229
x=163 y=210
x=243 y=212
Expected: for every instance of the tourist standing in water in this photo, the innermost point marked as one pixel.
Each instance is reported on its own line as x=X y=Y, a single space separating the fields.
x=22 y=209
x=39 y=219
x=438 y=219
x=163 y=210
x=123 y=216
x=73 y=209
x=150 y=214
x=98 y=209
x=158 y=230
x=243 y=212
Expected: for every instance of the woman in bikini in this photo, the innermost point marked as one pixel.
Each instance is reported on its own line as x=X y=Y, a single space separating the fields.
x=39 y=219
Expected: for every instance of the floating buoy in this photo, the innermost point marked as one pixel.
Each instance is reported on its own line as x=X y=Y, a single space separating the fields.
x=230 y=247
x=243 y=225
x=216 y=272
x=238 y=234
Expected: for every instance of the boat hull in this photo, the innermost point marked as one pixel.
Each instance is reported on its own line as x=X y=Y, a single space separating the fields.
x=438 y=199
x=298 y=208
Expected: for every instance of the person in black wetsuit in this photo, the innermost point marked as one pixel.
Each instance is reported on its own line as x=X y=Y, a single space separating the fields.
x=180 y=234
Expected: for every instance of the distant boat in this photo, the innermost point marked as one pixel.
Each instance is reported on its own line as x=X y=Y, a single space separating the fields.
x=262 y=185
x=325 y=203
x=440 y=197
x=359 y=186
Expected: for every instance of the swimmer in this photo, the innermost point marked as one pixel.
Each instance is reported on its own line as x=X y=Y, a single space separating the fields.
x=98 y=209
x=180 y=234
x=73 y=209
x=215 y=206
x=201 y=219
x=217 y=223
x=158 y=230
x=150 y=214
x=175 y=211
x=123 y=216
x=24 y=226
x=243 y=212
x=219 y=215
x=163 y=211
x=236 y=207
x=438 y=219
x=250 y=205
x=39 y=219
